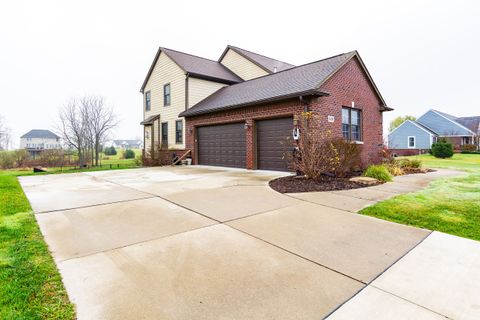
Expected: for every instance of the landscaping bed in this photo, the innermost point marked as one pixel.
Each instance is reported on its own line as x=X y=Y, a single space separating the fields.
x=294 y=184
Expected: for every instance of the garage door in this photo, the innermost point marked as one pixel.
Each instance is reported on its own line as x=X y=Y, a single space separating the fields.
x=222 y=145
x=274 y=143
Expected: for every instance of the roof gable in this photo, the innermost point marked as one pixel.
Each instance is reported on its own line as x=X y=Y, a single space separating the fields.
x=302 y=80
x=268 y=64
x=443 y=124
x=195 y=66
x=41 y=134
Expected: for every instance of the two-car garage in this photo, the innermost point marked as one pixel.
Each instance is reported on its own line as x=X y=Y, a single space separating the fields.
x=226 y=144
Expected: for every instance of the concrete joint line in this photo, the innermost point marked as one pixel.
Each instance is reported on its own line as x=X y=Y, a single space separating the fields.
x=96 y=205
x=371 y=281
x=297 y=255
x=418 y=305
x=136 y=243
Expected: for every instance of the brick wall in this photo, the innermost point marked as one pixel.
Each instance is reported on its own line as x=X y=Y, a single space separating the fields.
x=348 y=84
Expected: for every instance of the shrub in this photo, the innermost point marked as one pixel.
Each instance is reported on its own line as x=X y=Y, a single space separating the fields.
x=7 y=159
x=395 y=170
x=471 y=152
x=129 y=154
x=379 y=172
x=442 y=149
x=110 y=151
x=469 y=147
x=316 y=153
x=408 y=163
x=349 y=156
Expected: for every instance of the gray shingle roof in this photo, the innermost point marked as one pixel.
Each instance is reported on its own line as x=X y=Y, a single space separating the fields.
x=301 y=80
x=40 y=133
x=472 y=123
x=266 y=63
x=197 y=67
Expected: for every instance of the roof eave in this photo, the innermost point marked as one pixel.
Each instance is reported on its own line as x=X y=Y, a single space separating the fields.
x=188 y=113
x=210 y=78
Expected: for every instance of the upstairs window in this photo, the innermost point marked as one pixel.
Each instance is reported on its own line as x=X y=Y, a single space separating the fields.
x=166 y=95
x=165 y=133
x=352 y=124
x=179 y=131
x=411 y=142
x=147 y=101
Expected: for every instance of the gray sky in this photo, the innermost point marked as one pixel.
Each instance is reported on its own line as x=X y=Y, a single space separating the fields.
x=421 y=54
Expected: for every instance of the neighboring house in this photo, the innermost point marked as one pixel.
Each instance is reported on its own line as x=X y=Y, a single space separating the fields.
x=127 y=144
x=37 y=140
x=414 y=137
x=237 y=111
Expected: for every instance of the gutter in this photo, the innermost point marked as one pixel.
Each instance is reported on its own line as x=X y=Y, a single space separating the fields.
x=191 y=112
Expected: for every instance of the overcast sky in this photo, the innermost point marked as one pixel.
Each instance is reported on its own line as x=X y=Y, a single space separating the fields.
x=421 y=54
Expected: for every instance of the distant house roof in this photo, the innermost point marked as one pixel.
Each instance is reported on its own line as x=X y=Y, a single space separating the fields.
x=40 y=133
x=196 y=67
x=302 y=80
x=129 y=142
x=472 y=123
x=266 y=63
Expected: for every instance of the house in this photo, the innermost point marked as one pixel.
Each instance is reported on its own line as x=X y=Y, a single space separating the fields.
x=238 y=111
x=415 y=137
x=126 y=144
x=37 y=140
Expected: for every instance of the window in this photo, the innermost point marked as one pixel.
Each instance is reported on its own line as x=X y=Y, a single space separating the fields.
x=179 y=131
x=147 y=101
x=352 y=124
x=411 y=142
x=165 y=133
x=166 y=94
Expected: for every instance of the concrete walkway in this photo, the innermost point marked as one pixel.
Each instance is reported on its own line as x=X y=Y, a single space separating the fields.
x=208 y=243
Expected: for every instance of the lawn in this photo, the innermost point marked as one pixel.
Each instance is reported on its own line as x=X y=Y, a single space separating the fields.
x=450 y=205
x=30 y=285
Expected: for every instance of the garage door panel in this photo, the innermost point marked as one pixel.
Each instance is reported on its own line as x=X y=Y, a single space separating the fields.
x=274 y=143
x=222 y=145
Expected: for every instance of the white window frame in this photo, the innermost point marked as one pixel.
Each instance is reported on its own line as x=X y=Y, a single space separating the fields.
x=414 y=142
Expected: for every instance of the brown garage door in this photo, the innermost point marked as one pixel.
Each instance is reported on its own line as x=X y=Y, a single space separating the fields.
x=274 y=143
x=222 y=145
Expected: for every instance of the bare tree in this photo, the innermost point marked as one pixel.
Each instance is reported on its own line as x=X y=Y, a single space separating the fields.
x=85 y=124
x=5 y=135
x=73 y=128
x=101 y=120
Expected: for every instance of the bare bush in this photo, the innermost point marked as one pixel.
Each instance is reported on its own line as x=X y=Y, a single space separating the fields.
x=316 y=154
x=349 y=157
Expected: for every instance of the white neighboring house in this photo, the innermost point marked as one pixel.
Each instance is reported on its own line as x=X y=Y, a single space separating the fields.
x=37 y=140
x=126 y=144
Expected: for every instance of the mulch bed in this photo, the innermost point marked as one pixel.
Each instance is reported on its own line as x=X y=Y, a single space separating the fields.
x=292 y=184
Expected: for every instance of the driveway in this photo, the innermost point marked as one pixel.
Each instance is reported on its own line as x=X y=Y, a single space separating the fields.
x=215 y=243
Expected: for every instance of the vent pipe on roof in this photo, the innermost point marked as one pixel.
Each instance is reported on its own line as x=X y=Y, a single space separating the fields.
x=274 y=69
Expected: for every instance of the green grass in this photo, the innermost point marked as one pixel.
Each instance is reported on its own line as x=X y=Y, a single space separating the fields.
x=450 y=205
x=464 y=162
x=30 y=285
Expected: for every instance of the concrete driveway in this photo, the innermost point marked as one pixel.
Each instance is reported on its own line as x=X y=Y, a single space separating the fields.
x=214 y=243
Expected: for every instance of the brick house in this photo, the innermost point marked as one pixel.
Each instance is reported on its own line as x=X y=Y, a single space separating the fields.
x=243 y=119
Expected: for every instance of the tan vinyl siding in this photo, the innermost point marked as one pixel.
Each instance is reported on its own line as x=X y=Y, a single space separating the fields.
x=199 y=89
x=166 y=71
x=241 y=66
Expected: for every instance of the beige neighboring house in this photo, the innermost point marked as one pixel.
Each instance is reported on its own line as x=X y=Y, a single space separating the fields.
x=37 y=140
x=176 y=81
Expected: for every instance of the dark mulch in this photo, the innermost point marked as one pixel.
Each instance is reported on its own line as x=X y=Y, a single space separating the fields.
x=292 y=184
